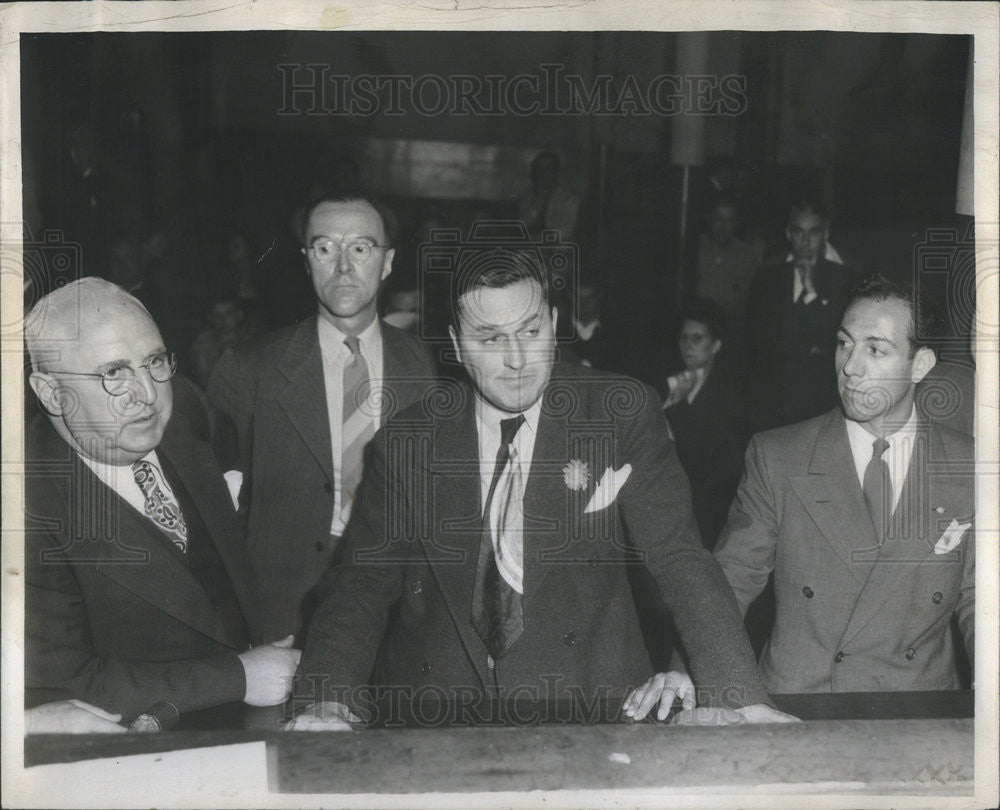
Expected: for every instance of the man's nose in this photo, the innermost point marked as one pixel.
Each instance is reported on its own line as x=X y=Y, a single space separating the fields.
x=144 y=387
x=514 y=357
x=343 y=264
x=854 y=364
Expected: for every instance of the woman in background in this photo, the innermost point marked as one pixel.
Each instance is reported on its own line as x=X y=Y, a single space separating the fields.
x=705 y=414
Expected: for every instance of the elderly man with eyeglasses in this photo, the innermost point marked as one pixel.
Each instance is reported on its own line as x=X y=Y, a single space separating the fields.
x=138 y=590
x=306 y=400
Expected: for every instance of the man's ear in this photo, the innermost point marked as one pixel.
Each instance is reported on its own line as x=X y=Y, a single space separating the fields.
x=716 y=346
x=454 y=342
x=555 y=319
x=923 y=361
x=387 y=263
x=47 y=390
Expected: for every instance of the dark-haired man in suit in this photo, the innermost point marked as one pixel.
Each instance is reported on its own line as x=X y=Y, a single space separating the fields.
x=307 y=399
x=864 y=514
x=792 y=315
x=489 y=544
x=137 y=585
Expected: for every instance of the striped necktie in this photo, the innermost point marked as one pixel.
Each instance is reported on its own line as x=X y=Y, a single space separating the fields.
x=358 y=424
x=161 y=504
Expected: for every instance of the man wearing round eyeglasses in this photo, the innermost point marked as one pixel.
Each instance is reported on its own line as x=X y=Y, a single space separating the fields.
x=138 y=589
x=306 y=401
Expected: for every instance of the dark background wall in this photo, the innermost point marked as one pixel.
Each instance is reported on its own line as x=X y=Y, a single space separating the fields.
x=151 y=149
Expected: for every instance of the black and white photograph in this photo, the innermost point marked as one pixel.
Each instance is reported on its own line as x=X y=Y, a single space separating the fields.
x=496 y=404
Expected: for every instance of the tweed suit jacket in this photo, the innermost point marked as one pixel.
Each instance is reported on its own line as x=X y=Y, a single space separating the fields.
x=112 y=616
x=851 y=616
x=272 y=388
x=414 y=539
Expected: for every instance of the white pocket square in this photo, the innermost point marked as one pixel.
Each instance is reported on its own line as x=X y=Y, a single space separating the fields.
x=234 y=482
x=607 y=490
x=952 y=536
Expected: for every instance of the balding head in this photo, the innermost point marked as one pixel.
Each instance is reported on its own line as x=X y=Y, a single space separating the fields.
x=78 y=334
x=61 y=318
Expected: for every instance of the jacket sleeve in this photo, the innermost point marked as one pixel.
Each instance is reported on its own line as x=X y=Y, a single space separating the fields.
x=746 y=548
x=61 y=660
x=656 y=507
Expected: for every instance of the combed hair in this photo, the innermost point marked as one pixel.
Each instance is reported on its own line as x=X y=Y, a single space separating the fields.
x=347 y=196
x=923 y=320
x=496 y=268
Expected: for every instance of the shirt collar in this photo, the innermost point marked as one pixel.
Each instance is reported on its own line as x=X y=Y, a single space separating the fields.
x=488 y=418
x=334 y=337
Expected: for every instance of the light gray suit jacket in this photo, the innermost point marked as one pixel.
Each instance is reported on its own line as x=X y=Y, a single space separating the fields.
x=850 y=616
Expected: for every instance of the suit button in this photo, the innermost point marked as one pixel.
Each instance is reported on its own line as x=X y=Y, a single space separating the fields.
x=425 y=669
x=910 y=654
x=569 y=639
x=318 y=546
x=327 y=487
x=807 y=592
x=594 y=561
x=416 y=586
x=838 y=657
x=937 y=597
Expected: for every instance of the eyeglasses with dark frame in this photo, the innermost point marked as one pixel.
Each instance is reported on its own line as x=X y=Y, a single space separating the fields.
x=327 y=251
x=119 y=379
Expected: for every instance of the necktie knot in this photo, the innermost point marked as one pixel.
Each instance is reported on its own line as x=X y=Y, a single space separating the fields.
x=879 y=446
x=353 y=346
x=509 y=428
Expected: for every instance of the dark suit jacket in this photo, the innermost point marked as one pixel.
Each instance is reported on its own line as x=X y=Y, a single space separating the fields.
x=791 y=346
x=112 y=616
x=709 y=433
x=852 y=617
x=414 y=539
x=272 y=388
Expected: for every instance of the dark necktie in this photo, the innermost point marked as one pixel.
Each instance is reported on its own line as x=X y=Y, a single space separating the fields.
x=496 y=606
x=358 y=425
x=877 y=487
x=161 y=505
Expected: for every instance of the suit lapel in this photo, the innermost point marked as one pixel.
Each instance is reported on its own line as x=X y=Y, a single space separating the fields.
x=159 y=577
x=544 y=492
x=304 y=399
x=200 y=477
x=913 y=530
x=832 y=497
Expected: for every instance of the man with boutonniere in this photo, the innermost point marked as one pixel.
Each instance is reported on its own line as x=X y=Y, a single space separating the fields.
x=865 y=517
x=486 y=557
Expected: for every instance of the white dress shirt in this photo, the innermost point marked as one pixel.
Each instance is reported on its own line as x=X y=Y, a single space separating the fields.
x=897 y=455
x=488 y=428
x=335 y=356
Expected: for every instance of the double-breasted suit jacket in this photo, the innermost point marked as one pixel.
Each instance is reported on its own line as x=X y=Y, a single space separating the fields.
x=273 y=390
x=414 y=539
x=113 y=613
x=851 y=616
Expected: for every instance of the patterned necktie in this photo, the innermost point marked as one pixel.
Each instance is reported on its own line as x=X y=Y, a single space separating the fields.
x=358 y=425
x=877 y=488
x=496 y=606
x=161 y=504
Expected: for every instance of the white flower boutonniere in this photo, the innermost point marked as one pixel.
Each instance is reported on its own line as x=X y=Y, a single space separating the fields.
x=576 y=474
